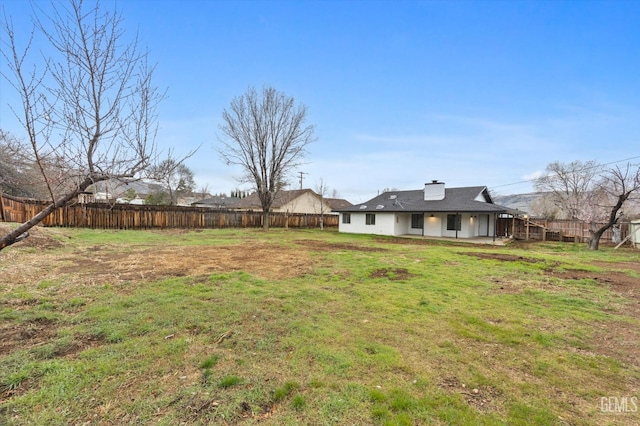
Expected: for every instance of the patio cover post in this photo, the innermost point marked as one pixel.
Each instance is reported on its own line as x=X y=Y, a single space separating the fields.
x=456 y=224
x=495 y=226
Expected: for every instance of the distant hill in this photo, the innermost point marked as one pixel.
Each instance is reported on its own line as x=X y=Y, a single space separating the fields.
x=525 y=203
x=521 y=202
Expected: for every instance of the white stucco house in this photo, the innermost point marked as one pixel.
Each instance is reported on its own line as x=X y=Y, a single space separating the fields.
x=293 y=201
x=434 y=211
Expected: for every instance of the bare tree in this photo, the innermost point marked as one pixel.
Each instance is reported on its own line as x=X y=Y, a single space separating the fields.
x=19 y=173
x=322 y=189
x=591 y=193
x=265 y=134
x=14 y=167
x=177 y=178
x=89 y=108
x=569 y=185
x=614 y=189
x=545 y=206
x=203 y=191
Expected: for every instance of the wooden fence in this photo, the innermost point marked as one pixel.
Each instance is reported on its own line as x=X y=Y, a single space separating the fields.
x=554 y=230
x=126 y=216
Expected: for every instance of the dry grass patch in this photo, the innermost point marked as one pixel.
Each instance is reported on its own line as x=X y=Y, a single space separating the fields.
x=103 y=264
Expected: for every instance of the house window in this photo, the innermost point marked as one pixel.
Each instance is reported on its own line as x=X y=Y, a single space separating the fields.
x=346 y=217
x=454 y=222
x=370 y=219
x=417 y=221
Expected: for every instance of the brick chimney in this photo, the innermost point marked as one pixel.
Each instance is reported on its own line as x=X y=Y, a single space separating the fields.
x=434 y=191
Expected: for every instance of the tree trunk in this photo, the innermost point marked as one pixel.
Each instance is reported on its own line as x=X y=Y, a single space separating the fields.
x=2 y=219
x=594 y=241
x=265 y=220
x=13 y=236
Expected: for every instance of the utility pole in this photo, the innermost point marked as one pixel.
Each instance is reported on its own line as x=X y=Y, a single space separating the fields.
x=301 y=175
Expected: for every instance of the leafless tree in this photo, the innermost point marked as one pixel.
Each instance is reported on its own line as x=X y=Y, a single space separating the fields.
x=265 y=134
x=14 y=167
x=591 y=193
x=569 y=185
x=203 y=192
x=614 y=190
x=19 y=172
x=545 y=206
x=322 y=189
x=88 y=107
x=177 y=178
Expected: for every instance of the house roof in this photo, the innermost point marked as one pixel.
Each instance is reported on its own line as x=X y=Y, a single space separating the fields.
x=337 y=203
x=456 y=200
x=118 y=187
x=219 y=202
x=282 y=197
x=285 y=196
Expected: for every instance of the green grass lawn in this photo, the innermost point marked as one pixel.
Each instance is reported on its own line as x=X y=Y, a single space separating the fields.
x=315 y=327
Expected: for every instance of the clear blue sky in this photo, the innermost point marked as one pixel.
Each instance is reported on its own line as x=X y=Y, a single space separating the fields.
x=401 y=92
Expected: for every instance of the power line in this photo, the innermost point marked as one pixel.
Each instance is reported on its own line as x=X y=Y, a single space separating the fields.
x=538 y=178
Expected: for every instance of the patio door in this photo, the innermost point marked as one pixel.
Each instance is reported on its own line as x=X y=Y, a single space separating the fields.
x=483 y=225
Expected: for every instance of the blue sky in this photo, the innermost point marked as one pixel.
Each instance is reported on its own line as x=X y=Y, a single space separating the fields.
x=401 y=92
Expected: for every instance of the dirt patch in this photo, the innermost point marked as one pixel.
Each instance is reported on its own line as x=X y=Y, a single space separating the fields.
x=264 y=261
x=26 y=335
x=626 y=286
x=392 y=274
x=481 y=397
x=108 y=264
x=33 y=334
x=324 y=246
x=422 y=241
x=503 y=257
x=632 y=266
x=38 y=237
x=616 y=339
x=618 y=281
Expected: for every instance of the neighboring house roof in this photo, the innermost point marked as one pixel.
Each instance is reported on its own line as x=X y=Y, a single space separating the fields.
x=282 y=197
x=337 y=203
x=456 y=200
x=118 y=187
x=217 y=202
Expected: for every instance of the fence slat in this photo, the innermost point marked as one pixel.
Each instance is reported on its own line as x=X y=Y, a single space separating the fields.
x=126 y=216
x=555 y=230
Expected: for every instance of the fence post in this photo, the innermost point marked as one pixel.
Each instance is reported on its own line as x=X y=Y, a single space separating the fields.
x=1 y=209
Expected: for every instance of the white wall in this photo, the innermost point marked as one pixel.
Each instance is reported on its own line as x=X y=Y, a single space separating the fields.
x=434 y=191
x=466 y=227
x=385 y=224
x=634 y=231
x=400 y=224
x=403 y=225
x=433 y=226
